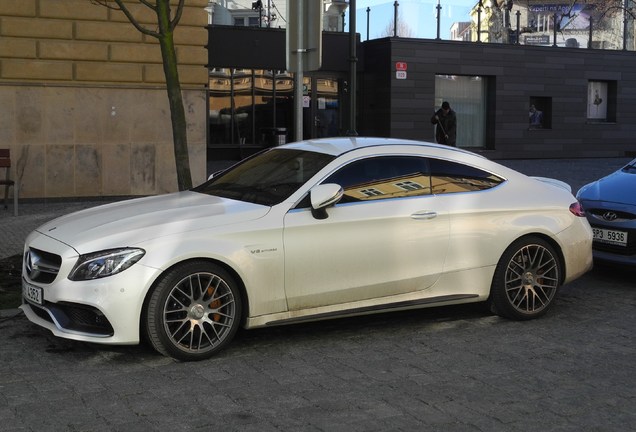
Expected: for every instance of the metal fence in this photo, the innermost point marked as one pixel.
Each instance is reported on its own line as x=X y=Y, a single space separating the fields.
x=572 y=24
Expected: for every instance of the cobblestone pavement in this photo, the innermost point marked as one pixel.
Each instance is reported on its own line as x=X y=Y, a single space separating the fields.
x=448 y=369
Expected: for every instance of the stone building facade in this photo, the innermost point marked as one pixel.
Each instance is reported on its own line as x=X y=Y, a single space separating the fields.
x=83 y=102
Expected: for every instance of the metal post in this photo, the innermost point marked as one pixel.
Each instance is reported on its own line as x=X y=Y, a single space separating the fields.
x=554 y=24
x=274 y=97
x=439 y=9
x=368 y=14
x=232 y=107
x=395 y=18
x=269 y=13
x=589 y=39
x=352 y=69
x=298 y=77
x=479 y=6
x=343 y=22
x=625 y=25
x=518 y=30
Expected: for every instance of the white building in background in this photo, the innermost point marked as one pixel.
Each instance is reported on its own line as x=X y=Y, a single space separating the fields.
x=269 y=13
x=460 y=31
x=540 y=21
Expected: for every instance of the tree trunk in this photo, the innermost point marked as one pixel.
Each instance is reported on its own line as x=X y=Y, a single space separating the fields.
x=175 y=98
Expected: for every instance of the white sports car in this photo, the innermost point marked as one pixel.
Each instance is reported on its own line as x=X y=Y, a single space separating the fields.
x=306 y=231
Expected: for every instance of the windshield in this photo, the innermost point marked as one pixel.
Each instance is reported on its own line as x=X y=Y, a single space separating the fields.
x=630 y=167
x=268 y=178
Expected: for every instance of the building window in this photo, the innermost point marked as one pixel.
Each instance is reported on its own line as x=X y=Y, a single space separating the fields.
x=601 y=101
x=540 y=113
x=409 y=185
x=371 y=192
x=467 y=97
x=246 y=20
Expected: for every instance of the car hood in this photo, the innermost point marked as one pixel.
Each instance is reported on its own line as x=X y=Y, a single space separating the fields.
x=617 y=187
x=129 y=223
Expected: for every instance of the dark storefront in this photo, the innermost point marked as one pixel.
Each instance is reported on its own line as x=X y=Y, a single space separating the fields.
x=512 y=101
x=251 y=95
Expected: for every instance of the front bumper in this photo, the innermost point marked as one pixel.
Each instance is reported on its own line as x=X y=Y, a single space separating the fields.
x=106 y=310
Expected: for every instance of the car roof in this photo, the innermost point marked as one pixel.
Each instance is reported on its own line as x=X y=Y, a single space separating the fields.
x=337 y=146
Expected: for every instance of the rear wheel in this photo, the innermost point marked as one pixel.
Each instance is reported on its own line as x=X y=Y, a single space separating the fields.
x=193 y=312
x=526 y=279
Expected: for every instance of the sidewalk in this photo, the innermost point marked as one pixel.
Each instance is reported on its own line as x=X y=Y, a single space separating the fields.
x=14 y=230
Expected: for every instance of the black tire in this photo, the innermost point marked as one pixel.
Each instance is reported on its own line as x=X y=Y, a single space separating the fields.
x=526 y=279
x=193 y=312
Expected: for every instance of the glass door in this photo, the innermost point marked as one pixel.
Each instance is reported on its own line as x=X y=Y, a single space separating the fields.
x=321 y=107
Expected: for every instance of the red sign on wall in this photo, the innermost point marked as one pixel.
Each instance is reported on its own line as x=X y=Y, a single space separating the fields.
x=400 y=66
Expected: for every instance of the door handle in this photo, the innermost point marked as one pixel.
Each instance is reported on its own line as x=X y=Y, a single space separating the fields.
x=424 y=215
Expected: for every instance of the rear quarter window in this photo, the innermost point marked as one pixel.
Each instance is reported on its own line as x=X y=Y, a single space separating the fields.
x=452 y=177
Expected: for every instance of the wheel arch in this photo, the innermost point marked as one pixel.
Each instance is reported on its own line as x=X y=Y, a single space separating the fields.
x=557 y=248
x=223 y=265
x=552 y=242
x=525 y=306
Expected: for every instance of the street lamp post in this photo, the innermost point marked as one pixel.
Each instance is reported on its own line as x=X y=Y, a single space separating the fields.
x=479 y=6
x=518 y=23
x=352 y=69
x=395 y=18
x=439 y=10
x=625 y=25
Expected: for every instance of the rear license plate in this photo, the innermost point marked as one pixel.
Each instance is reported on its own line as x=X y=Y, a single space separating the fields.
x=602 y=235
x=32 y=293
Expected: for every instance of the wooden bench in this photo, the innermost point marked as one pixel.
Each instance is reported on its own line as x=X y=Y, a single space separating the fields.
x=5 y=162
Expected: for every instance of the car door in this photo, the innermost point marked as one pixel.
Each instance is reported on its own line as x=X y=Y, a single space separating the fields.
x=387 y=236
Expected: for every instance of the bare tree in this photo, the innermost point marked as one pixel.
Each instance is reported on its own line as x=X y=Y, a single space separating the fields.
x=500 y=25
x=403 y=29
x=167 y=20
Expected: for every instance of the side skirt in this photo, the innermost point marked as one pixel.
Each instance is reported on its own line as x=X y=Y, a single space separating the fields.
x=403 y=305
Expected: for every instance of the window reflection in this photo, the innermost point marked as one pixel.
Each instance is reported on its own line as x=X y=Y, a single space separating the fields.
x=399 y=177
x=246 y=105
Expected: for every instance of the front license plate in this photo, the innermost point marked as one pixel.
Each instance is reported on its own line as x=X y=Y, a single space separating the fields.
x=32 y=293
x=602 y=235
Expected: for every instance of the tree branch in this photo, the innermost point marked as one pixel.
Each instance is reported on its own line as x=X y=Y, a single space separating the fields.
x=121 y=7
x=177 y=16
x=148 y=4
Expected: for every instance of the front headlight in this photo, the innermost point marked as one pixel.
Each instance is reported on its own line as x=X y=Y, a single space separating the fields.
x=104 y=263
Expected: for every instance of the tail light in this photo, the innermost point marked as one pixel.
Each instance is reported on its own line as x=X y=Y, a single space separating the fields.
x=577 y=209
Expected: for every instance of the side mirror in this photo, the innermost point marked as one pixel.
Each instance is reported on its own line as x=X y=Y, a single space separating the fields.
x=323 y=196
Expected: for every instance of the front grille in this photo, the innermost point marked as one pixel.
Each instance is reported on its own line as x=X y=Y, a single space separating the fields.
x=606 y=215
x=41 y=266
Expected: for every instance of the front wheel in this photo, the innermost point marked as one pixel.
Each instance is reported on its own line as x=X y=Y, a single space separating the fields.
x=193 y=312
x=526 y=279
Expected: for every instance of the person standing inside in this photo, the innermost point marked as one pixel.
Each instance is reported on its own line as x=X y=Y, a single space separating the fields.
x=446 y=121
